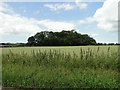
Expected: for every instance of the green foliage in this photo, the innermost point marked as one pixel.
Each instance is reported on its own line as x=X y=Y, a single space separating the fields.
x=56 y=69
x=63 y=38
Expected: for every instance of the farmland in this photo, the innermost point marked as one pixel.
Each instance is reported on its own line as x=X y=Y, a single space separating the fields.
x=60 y=67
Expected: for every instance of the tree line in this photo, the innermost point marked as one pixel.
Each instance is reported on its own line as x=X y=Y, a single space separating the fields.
x=63 y=38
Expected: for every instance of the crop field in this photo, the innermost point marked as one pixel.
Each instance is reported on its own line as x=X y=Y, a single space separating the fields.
x=61 y=67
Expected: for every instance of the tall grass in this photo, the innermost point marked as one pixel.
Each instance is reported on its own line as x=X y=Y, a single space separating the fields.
x=56 y=69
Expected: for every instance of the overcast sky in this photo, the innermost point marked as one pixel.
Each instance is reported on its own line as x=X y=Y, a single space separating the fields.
x=20 y=20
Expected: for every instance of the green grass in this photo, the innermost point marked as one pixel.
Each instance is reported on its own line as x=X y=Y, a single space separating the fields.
x=61 y=67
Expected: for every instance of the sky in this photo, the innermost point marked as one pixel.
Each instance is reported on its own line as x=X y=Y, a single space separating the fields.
x=20 y=20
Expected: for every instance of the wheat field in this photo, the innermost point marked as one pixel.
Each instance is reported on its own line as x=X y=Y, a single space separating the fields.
x=61 y=67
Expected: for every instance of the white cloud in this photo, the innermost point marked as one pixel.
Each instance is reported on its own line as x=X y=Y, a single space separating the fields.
x=90 y=34
x=5 y=8
x=81 y=5
x=56 y=26
x=18 y=25
x=81 y=21
x=15 y=24
x=107 y=15
x=56 y=7
x=59 y=6
x=87 y=20
x=94 y=34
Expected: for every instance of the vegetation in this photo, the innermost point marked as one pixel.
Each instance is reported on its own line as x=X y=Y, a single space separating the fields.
x=64 y=38
x=61 y=67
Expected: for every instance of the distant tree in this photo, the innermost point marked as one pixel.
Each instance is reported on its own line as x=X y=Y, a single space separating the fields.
x=104 y=44
x=117 y=43
x=99 y=43
x=111 y=44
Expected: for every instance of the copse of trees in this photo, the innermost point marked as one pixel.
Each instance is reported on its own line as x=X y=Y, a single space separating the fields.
x=63 y=38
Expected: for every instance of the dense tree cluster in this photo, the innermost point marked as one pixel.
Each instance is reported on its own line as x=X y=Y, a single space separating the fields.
x=63 y=38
